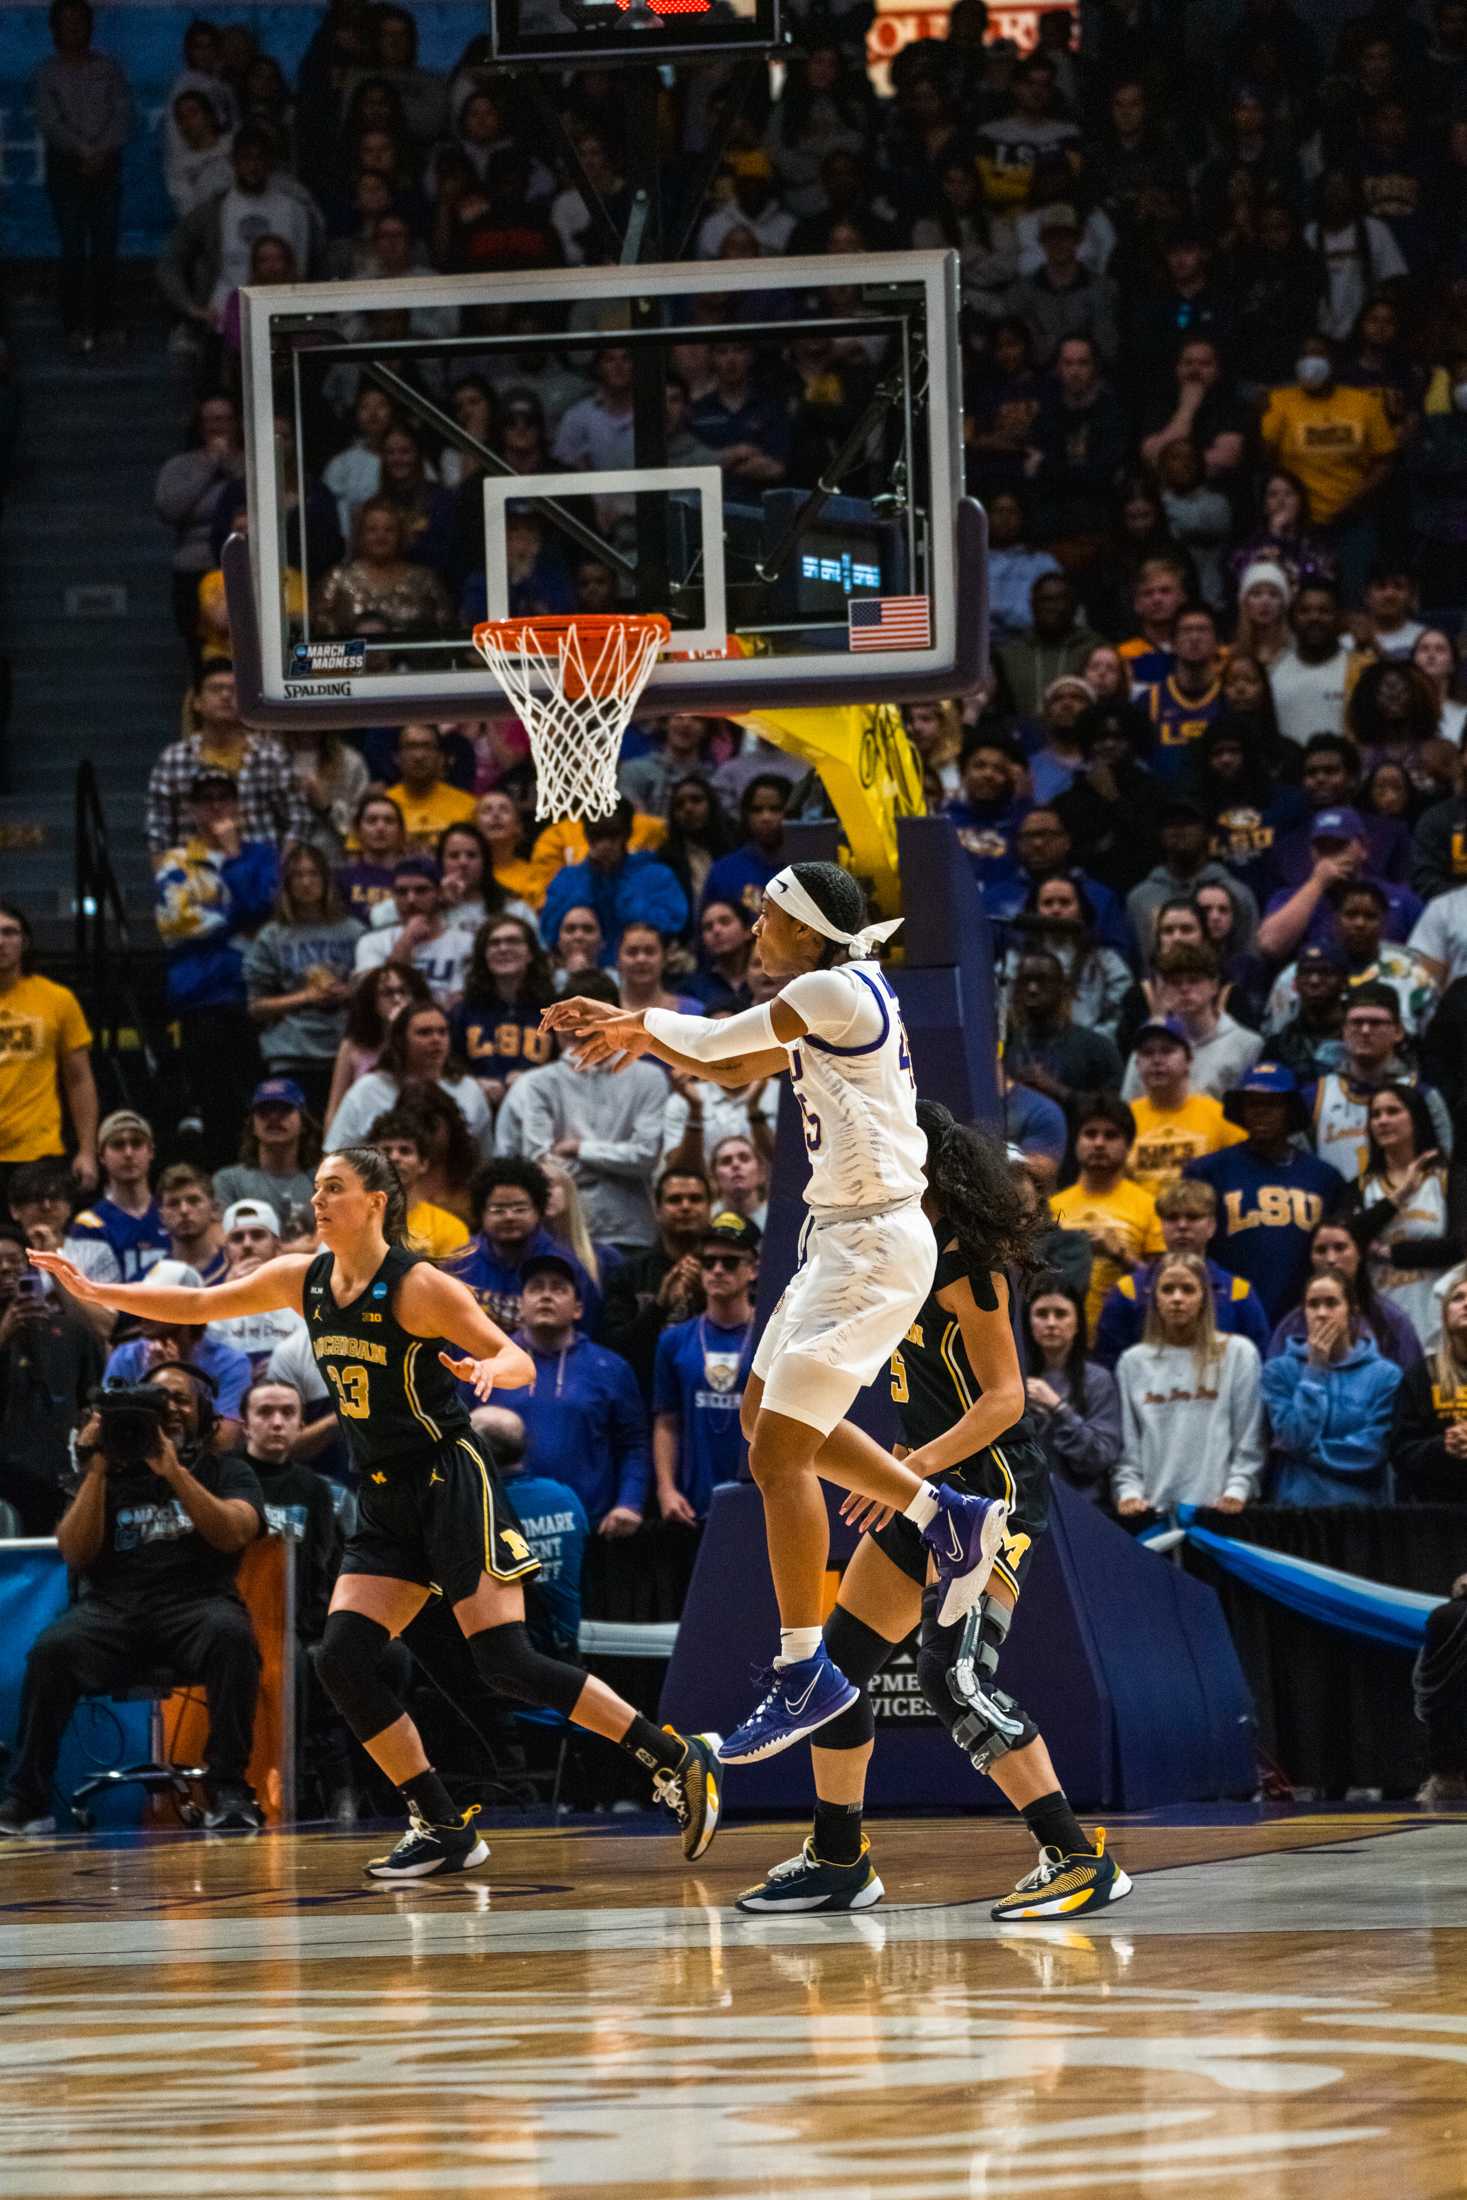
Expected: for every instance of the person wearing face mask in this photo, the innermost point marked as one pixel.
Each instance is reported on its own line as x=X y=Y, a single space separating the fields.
x=1436 y=465
x=1341 y=445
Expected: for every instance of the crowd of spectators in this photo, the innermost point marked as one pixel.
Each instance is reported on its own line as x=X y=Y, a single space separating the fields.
x=1215 y=402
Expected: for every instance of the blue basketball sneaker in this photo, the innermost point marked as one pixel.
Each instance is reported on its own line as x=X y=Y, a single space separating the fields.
x=964 y=1536
x=803 y=1695
x=806 y=1883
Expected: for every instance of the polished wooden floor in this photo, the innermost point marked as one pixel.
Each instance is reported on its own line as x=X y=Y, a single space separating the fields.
x=1278 y=2011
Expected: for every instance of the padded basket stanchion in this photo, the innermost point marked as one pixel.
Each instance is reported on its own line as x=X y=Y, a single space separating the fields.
x=573 y=683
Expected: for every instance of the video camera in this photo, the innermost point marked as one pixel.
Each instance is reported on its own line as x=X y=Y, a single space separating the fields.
x=133 y=1418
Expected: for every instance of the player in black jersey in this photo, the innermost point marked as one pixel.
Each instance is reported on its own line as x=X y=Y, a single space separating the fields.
x=959 y=1390
x=432 y=1514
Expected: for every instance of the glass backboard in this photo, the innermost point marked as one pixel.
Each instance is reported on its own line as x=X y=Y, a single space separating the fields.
x=769 y=452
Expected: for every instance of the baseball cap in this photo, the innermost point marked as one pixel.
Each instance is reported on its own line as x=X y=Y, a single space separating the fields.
x=1170 y=1028
x=1321 y=958
x=1180 y=805
x=1269 y=1081
x=555 y=1263
x=1337 y=825
x=176 y=1273
x=1274 y=1080
x=251 y=1210
x=1057 y=217
x=734 y=1233
x=123 y=1119
x=281 y=1092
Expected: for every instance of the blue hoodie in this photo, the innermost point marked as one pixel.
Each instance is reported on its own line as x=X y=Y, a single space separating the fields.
x=639 y=891
x=1331 y=1425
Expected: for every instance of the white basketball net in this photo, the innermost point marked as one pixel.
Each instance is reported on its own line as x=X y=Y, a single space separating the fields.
x=575 y=736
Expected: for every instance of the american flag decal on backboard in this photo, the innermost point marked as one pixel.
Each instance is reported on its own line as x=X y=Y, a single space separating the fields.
x=889 y=622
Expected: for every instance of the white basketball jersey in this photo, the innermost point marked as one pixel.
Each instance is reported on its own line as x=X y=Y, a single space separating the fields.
x=1340 y=1136
x=852 y=1076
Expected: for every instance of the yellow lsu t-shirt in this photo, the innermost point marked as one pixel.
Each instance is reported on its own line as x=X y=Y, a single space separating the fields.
x=1167 y=1139
x=39 y=1023
x=435 y=1231
x=1327 y=441
x=426 y=816
x=1130 y=1212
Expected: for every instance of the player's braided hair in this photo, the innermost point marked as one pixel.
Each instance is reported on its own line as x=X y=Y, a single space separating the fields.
x=970 y=1179
x=837 y=896
x=378 y=1175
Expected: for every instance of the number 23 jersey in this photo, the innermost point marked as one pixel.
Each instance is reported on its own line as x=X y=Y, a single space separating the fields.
x=391 y=1395
x=852 y=1076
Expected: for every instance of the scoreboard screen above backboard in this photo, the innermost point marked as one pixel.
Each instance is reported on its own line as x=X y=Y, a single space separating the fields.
x=606 y=30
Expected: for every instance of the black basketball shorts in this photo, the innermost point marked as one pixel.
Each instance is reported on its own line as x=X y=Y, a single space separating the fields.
x=440 y=1518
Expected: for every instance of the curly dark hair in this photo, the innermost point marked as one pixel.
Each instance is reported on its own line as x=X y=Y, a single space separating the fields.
x=969 y=1177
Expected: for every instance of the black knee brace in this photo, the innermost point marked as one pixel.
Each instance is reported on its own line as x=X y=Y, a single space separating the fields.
x=860 y=1653
x=509 y=1664
x=956 y=1668
x=348 y=1661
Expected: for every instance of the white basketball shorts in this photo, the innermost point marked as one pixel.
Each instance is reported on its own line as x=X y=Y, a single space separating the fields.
x=858 y=1289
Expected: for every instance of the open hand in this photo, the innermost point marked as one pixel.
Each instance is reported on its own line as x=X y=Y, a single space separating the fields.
x=675 y=1508
x=478 y=1374
x=619 y=1041
x=67 y=1275
x=865 y=1514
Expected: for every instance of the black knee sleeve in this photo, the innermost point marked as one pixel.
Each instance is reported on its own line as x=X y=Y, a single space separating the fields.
x=348 y=1663
x=860 y=1653
x=508 y=1663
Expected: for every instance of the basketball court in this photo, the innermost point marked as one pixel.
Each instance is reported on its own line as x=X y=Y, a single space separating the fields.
x=1281 y=2006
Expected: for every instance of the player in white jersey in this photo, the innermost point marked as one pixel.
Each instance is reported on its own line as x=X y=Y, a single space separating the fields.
x=867 y=1260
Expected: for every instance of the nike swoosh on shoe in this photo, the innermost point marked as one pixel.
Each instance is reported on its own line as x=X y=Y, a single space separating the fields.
x=797 y=1706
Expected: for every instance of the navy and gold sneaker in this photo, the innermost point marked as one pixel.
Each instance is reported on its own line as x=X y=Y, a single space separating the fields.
x=806 y=1883
x=1065 y=1886
x=690 y=1791
x=430 y=1852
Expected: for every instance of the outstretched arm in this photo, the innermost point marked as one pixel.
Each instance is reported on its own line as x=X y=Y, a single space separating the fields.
x=275 y=1284
x=431 y=1304
x=738 y=1046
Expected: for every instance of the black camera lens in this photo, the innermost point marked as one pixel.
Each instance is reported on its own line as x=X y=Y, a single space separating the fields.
x=132 y=1423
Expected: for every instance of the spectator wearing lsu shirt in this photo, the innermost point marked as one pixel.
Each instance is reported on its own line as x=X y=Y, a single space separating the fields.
x=1338 y=1106
x=1160 y=592
x=1271 y=1194
x=1187 y=1213
x=45 y=1045
x=1174 y=1125
x=427 y=802
x=496 y=1026
x=1189 y=698
x=1429 y=1436
x=1118 y=1216
x=381 y=839
x=1340 y=443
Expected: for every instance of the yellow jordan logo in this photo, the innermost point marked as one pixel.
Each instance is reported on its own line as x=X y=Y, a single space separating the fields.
x=435 y=1476
x=379 y=1476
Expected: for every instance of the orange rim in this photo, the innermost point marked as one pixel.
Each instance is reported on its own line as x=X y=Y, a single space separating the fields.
x=603 y=674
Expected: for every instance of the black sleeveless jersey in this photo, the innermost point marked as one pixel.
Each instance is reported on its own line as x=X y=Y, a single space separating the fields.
x=932 y=1381
x=391 y=1396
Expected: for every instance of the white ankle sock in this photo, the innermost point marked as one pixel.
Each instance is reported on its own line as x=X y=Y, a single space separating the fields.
x=796 y=1643
x=923 y=1506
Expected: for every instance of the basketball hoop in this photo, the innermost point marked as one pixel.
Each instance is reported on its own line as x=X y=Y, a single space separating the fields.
x=573 y=683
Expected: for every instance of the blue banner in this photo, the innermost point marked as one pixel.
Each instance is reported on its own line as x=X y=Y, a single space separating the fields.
x=33 y=1592
x=1395 y=1617
x=146 y=37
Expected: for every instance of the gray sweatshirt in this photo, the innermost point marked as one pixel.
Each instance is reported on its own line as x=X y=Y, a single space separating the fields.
x=618 y=1119
x=1186 y=1441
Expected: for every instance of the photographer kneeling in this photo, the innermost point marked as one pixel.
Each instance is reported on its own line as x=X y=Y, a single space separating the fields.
x=154 y=1536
